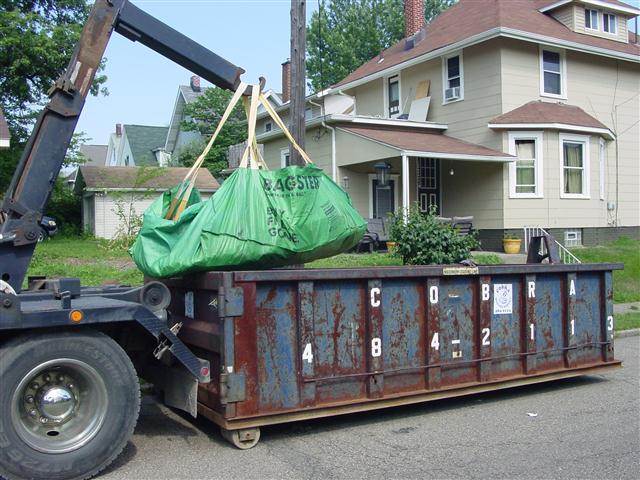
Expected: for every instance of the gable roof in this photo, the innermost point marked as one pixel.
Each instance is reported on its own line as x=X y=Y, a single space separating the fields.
x=472 y=21
x=143 y=140
x=428 y=144
x=5 y=136
x=95 y=154
x=158 y=179
x=186 y=95
x=550 y=115
x=613 y=5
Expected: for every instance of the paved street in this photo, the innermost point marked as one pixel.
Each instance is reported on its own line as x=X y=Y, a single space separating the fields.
x=585 y=428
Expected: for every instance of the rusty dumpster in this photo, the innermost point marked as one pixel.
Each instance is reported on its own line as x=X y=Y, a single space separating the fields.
x=295 y=344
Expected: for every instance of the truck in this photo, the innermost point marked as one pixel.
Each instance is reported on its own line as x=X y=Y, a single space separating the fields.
x=246 y=349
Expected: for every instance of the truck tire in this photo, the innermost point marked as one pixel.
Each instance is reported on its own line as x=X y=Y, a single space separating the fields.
x=69 y=402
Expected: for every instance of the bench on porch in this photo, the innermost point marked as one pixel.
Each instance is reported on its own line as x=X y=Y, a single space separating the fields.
x=377 y=234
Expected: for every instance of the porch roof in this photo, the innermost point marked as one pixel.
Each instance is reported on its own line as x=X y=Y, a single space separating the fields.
x=416 y=143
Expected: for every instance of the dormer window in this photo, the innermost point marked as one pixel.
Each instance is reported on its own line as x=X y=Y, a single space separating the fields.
x=591 y=19
x=394 y=95
x=609 y=23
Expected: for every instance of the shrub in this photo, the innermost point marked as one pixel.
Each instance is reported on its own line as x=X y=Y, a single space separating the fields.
x=422 y=240
x=65 y=208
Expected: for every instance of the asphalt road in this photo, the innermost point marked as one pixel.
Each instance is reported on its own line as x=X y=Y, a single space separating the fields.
x=586 y=427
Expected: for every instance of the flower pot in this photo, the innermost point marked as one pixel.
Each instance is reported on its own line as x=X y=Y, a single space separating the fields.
x=511 y=245
x=391 y=246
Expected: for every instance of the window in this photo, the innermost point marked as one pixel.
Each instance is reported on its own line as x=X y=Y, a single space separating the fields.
x=525 y=174
x=453 y=80
x=591 y=19
x=609 y=22
x=268 y=126
x=574 y=154
x=573 y=238
x=602 y=169
x=552 y=73
x=427 y=173
x=308 y=113
x=285 y=158
x=393 y=95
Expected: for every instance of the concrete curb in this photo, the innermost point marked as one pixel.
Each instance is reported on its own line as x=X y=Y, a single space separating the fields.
x=627 y=333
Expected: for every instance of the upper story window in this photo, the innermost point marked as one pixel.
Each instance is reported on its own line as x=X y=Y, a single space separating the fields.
x=285 y=157
x=268 y=126
x=609 y=23
x=525 y=174
x=552 y=73
x=453 y=80
x=574 y=177
x=591 y=19
x=393 y=94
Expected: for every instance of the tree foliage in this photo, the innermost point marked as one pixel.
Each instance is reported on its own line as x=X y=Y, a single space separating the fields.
x=344 y=34
x=203 y=116
x=37 y=39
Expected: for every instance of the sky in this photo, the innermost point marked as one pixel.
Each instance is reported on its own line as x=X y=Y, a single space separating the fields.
x=252 y=34
x=142 y=84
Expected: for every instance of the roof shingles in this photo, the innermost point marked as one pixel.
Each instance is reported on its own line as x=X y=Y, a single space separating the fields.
x=143 y=140
x=547 y=112
x=153 y=178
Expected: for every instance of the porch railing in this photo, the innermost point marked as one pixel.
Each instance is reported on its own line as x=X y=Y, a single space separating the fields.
x=565 y=255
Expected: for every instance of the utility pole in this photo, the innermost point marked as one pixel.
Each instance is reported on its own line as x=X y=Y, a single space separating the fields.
x=298 y=76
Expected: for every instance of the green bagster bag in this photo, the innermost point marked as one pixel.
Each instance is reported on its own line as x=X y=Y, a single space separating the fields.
x=257 y=219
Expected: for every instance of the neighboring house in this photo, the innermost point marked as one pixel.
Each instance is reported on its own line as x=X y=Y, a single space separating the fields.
x=113 y=197
x=94 y=155
x=5 y=136
x=138 y=145
x=520 y=113
x=177 y=136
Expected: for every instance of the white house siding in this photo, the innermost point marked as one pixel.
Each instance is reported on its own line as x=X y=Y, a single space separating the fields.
x=107 y=222
x=595 y=84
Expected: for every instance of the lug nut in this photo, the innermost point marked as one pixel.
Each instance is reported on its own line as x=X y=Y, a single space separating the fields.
x=43 y=420
x=35 y=385
x=61 y=378
x=47 y=378
x=71 y=385
x=6 y=303
x=33 y=413
x=29 y=399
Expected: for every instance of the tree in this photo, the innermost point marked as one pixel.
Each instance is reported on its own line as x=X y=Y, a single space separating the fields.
x=344 y=34
x=37 y=39
x=203 y=116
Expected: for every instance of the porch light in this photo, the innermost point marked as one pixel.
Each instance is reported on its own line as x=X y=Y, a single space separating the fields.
x=382 y=173
x=451 y=172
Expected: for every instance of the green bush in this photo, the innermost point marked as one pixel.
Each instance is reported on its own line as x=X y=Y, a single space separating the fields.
x=65 y=208
x=422 y=240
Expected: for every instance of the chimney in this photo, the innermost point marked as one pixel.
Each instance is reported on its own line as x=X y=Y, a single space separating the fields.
x=286 y=81
x=195 y=83
x=413 y=16
x=118 y=129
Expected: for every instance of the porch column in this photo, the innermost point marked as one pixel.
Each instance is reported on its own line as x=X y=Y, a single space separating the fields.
x=405 y=182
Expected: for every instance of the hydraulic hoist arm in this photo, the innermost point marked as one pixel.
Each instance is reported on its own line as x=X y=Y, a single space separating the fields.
x=27 y=196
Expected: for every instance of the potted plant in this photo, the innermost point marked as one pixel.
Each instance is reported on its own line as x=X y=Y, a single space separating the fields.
x=511 y=243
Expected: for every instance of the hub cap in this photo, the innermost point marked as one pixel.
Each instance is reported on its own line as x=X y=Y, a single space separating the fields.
x=59 y=406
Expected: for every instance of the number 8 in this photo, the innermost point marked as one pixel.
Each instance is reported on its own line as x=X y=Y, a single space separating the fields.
x=376 y=347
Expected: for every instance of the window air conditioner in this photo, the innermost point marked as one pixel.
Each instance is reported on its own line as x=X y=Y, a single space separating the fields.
x=452 y=93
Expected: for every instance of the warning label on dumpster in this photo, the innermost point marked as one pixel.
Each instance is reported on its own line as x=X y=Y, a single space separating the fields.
x=502 y=298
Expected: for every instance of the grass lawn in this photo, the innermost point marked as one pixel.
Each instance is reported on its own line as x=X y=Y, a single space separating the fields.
x=627 y=321
x=91 y=260
x=626 y=283
x=354 y=260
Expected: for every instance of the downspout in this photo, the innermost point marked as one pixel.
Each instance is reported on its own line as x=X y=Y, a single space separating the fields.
x=334 y=166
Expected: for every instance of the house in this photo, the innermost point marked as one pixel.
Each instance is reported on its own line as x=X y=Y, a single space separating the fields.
x=518 y=112
x=5 y=136
x=94 y=155
x=178 y=137
x=114 y=198
x=138 y=145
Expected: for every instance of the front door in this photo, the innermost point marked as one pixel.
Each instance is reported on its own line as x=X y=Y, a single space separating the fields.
x=383 y=200
x=428 y=175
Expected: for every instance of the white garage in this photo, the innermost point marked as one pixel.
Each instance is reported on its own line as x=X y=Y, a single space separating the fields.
x=114 y=198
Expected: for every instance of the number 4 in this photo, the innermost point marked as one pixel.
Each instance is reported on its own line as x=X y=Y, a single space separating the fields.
x=307 y=354
x=435 y=342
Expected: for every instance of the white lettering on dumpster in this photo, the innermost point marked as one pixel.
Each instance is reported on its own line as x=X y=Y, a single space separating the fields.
x=435 y=342
x=486 y=291
x=376 y=347
x=610 y=323
x=486 y=333
x=307 y=354
x=375 y=297
x=532 y=289
x=433 y=294
x=572 y=288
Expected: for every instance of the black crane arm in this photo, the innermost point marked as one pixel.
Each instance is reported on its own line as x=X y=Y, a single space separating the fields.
x=27 y=196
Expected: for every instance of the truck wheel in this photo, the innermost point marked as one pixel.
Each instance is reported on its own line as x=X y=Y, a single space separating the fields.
x=68 y=404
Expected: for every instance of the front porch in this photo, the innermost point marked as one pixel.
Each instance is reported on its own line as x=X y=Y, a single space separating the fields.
x=431 y=170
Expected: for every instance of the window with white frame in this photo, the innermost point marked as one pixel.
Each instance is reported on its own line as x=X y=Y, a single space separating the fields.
x=552 y=71
x=285 y=158
x=453 y=80
x=591 y=19
x=393 y=95
x=574 y=155
x=525 y=173
x=609 y=23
